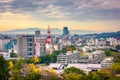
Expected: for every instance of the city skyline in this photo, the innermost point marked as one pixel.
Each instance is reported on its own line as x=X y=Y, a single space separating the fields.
x=92 y=15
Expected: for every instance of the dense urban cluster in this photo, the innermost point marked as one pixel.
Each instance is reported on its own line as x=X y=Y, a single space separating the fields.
x=59 y=57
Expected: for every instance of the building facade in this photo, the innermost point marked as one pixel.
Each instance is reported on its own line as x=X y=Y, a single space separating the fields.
x=25 y=45
x=65 y=31
x=37 y=43
x=3 y=43
x=69 y=57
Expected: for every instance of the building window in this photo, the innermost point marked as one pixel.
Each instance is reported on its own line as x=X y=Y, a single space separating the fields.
x=30 y=44
x=30 y=49
x=30 y=39
x=30 y=53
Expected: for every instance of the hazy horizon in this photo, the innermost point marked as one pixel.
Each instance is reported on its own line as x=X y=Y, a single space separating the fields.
x=88 y=15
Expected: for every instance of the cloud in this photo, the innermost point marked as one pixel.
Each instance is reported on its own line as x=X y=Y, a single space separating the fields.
x=14 y=16
x=5 y=1
x=77 y=10
x=52 y=12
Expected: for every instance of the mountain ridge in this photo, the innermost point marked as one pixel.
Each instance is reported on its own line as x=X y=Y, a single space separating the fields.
x=44 y=31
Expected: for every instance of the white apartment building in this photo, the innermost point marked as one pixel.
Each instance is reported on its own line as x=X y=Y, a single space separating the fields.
x=6 y=55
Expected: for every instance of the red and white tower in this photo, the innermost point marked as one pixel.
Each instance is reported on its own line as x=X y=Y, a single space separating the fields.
x=48 y=39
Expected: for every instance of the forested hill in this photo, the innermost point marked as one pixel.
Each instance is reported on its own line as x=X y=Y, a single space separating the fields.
x=106 y=35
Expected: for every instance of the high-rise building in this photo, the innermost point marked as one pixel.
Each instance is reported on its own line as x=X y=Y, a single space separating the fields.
x=25 y=45
x=65 y=31
x=37 y=43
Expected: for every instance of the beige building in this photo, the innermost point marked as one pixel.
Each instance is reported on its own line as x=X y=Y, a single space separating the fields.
x=37 y=43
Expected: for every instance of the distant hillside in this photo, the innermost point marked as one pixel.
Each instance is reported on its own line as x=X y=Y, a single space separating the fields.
x=105 y=35
x=44 y=31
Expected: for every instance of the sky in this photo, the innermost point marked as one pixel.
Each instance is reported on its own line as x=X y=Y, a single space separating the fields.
x=92 y=15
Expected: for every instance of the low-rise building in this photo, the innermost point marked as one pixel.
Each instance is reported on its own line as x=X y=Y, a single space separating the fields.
x=5 y=54
x=69 y=57
x=59 y=68
x=107 y=62
x=86 y=67
x=96 y=57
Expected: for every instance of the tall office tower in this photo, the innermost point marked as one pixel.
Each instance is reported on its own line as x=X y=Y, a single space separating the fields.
x=65 y=31
x=25 y=45
x=37 y=43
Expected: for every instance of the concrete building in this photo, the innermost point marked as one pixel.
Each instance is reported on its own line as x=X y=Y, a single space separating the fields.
x=5 y=54
x=96 y=57
x=3 y=42
x=56 y=66
x=69 y=57
x=25 y=45
x=42 y=47
x=86 y=67
x=59 y=68
x=84 y=59
x=107 y=62
x=37 y=43
x=87 y=48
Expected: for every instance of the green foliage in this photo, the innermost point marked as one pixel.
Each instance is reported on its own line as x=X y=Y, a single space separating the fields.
x=70 y=48
x=118 y=47
x=73 y=73
x=46 y=59
x=74 y=76
x=18 y=64
x=28 y=60
x=33 y=76
x=116 y=68
x=4 y=71
x=108 y=53
x=103 y=74
x=50 y=58
x=13 y=55
x=116 y=56
x=51 y=75
x=73 y=70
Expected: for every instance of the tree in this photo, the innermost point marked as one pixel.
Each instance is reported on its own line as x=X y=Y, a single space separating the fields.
x=73 y=73
x=13 y=55
x=45 y=59
x=108 y=53
x=73 y=70
x=116 y=56
x=118 y=47
x=11 y=66
x=70 y=48
x=52 y=71
x=74 y=76
x=4 y=70
x=105 y=74
x=32 y=72
x=116 y=68
x=35 y=59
